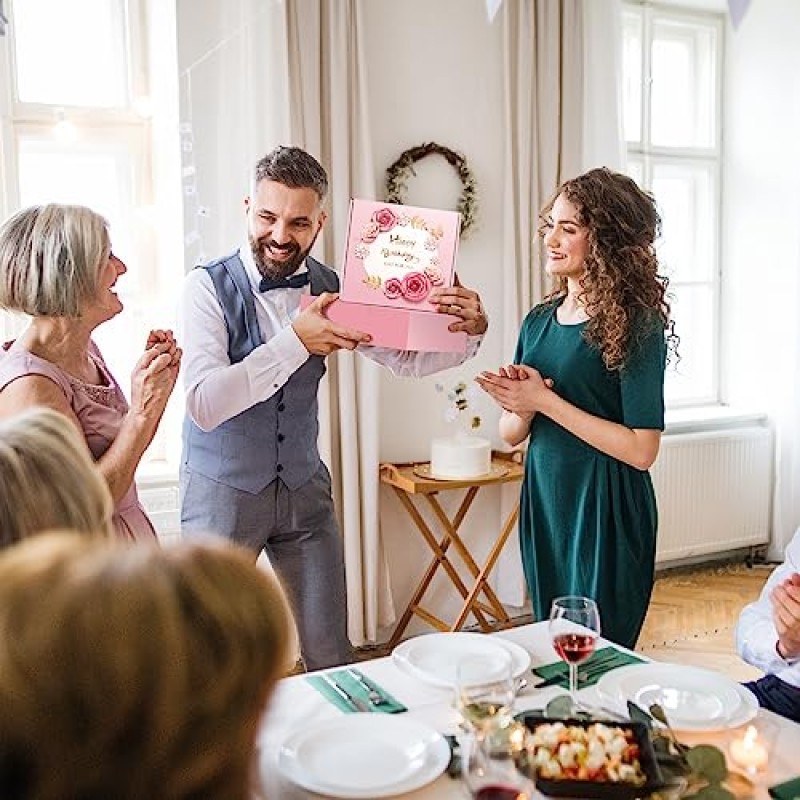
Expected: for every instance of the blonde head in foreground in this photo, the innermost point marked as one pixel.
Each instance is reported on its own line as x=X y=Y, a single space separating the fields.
x=48 y=479
x=133 y=672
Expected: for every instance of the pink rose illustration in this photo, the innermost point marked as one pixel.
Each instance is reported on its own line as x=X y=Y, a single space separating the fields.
x=385 y=219
x=434 y=275
x=370 y=232
x=392 y=288
x=416 y=287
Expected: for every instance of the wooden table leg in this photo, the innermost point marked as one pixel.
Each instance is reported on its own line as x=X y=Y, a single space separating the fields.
x=496 y=607
x=440 y=558
x=482 y=577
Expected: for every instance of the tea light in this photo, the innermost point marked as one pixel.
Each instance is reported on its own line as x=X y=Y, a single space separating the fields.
x=749 y=751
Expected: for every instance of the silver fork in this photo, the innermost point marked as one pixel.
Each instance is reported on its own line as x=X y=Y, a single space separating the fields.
x=373 y=695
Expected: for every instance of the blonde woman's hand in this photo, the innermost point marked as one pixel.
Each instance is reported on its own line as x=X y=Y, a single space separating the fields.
x=165 y=336
x=153 y=380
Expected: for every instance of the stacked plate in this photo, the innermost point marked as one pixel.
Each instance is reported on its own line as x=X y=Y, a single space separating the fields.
x=434 y=657
x=364 y=755
x=693 y=699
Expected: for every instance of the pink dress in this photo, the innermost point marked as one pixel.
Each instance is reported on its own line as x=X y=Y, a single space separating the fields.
x=100 y=411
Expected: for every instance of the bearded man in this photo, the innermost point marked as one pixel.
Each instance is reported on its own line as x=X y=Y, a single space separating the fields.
x=251 y=470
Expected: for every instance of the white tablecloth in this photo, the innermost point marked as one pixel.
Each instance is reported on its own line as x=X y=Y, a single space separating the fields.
x=296 y=704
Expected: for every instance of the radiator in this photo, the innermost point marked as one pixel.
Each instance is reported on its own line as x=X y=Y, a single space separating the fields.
x=714 y=491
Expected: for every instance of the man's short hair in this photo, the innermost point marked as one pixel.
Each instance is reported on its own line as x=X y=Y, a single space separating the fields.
x=292 y=167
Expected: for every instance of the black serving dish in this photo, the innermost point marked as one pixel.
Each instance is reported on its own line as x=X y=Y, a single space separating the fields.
x=602 y=790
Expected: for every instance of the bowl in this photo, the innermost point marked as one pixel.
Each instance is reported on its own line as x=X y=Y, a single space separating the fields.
x=602 y=790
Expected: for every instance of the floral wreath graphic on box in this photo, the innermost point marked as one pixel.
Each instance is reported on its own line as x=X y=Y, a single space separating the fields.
x=397 y=254
x=416 y=248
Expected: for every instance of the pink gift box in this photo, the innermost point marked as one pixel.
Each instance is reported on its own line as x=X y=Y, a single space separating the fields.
x=394 y=257
x=397 y=327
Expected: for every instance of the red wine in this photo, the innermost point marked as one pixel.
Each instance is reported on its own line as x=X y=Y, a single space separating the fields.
x=574 y=647
x=497 y=791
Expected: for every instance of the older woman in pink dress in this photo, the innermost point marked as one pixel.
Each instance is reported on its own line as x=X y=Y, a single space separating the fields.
x=57 y=266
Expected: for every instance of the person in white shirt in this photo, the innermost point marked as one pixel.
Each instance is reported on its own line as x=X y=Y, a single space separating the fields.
x=768 y=637
x=253 y=359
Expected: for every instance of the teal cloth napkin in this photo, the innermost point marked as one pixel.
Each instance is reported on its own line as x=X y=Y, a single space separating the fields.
x=788 y=790
x=590 y=671
x=389 y=705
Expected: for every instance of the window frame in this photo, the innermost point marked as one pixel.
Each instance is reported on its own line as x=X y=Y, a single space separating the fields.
x=648 y=154
x=140 y=136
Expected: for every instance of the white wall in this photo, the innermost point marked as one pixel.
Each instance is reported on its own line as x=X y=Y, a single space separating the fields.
x=761 y=231
x=432 y=80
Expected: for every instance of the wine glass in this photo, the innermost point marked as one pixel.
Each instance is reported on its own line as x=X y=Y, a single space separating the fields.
x=489 y=766
x=485 y=689
x=574 y=628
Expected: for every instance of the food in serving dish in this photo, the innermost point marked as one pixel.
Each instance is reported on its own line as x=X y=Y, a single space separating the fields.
x=597 y=752
x=590 y=769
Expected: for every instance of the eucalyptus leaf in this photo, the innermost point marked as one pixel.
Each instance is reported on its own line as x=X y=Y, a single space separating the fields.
x=712 y=792
x=658 y=714
x=559 y=707
x=708 y=761
x=638 y=714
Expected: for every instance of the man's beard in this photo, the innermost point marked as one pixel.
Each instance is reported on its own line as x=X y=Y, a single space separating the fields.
x=270 y=268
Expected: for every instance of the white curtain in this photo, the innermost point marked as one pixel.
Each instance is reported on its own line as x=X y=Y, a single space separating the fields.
x=562 y=80
x=329 y=118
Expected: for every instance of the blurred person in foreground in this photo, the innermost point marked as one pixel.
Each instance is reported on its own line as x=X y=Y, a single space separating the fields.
x=48 y=479
x=56 y=265
x=134 y=672
x=768 y=637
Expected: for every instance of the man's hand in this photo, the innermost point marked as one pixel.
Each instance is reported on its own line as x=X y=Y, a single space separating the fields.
x=459 y=301
x=319 y=335
x=786 y=614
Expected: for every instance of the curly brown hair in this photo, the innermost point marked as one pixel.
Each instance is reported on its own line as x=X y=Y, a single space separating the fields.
x=622 y=289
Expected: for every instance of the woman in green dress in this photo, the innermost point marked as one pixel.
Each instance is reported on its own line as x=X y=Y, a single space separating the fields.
x=587 y=387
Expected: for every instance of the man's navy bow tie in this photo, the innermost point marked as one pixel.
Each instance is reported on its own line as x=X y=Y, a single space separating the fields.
x=292 y=282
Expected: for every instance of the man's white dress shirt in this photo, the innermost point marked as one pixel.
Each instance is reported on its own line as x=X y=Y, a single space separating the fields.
x=217 y=390
x=756 y=635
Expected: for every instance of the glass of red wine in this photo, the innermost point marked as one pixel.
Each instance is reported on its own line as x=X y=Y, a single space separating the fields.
x=490 y=770
x=574 y=628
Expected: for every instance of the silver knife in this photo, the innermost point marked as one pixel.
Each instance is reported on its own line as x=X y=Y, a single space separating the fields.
x=358 y=705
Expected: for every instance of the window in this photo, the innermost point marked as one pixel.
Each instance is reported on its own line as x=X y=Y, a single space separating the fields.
x=671 y=113
x=78 y=127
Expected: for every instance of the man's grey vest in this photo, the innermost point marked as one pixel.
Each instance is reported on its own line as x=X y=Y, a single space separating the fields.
x=274 y=438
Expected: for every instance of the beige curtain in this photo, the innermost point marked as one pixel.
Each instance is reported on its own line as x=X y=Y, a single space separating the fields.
x=329 y=118
x=561 y=98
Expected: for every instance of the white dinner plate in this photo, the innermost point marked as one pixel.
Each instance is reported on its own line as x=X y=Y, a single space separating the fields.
x=693 y=699
x=433 y=657
x=364 y=755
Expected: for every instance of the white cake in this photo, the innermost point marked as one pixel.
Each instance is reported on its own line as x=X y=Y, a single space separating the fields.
x=459 y=457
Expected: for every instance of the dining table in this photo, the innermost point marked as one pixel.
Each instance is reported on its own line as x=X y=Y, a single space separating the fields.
x=296 y=705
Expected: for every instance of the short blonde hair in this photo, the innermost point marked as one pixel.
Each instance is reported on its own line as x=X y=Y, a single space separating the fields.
x=48 y=479
x=50 y=259
x=131 y=671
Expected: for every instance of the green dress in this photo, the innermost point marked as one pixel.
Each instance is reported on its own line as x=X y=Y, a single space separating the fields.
x=588 y=521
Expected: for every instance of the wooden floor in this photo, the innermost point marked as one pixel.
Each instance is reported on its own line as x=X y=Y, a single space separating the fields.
x=692 y=617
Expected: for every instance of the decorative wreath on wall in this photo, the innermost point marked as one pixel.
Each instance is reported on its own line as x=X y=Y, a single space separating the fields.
x=398 y=173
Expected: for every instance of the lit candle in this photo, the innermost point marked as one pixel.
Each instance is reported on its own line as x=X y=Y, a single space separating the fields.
x=749 y=751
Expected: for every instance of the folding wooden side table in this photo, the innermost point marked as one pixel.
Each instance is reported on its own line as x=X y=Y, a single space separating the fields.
x=408 y=480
